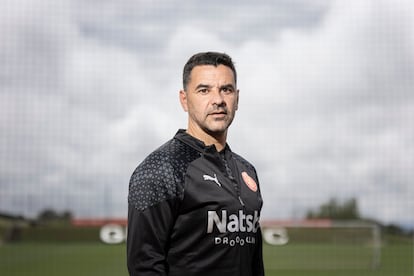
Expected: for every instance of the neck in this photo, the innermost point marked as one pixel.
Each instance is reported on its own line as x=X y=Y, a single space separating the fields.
x=216 y=139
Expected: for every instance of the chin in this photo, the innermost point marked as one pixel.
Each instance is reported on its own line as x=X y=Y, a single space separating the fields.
x=217 y=130
x=217 y=127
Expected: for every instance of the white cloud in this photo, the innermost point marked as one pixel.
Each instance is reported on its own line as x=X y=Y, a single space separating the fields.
x=325 y=102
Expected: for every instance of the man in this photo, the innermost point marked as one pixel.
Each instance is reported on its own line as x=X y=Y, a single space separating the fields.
x=193 y=204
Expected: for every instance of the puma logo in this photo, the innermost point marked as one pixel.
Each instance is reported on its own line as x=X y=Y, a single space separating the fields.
x=210 y=178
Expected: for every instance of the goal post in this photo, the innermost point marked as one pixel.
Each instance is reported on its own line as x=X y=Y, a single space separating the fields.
x=322 y=244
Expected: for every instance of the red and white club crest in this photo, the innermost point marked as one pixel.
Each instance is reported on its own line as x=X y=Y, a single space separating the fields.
x=249 y=181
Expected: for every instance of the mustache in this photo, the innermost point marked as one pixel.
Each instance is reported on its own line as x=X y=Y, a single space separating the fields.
x=219 y=109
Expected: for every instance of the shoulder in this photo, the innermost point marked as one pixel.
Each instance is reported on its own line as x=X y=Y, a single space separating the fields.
x=172 y=157
x=240 y=160
x=160 y=176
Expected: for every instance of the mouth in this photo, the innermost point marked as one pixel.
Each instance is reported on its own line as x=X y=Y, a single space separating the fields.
x=218 y=112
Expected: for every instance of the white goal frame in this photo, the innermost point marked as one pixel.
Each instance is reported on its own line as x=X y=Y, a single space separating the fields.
x=276 y=232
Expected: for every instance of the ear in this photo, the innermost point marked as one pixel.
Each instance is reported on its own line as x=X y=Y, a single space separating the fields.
x=183 y=100
x=237 y=100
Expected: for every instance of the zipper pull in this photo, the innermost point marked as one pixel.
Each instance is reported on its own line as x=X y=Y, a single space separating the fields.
x=241 y=201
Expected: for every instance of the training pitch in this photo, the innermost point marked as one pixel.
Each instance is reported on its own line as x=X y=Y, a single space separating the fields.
x=95 y=258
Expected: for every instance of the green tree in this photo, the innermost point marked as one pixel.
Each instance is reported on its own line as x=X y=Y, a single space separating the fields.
x=334 y=209
x=50 y=215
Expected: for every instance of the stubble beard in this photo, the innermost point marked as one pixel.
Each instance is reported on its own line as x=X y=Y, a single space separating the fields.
x=215 y=130
x=213 y=127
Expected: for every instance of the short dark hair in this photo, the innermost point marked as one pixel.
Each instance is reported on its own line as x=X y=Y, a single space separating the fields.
x=207 y=58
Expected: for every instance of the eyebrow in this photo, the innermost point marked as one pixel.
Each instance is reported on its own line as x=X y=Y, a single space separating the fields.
x=231 y=86
x=202 y=86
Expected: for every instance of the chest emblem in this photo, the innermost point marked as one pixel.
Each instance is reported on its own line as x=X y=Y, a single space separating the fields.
x=249 y=181
x=210 y=178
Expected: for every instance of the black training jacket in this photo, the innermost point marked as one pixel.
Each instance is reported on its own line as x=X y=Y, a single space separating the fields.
x=194 y=211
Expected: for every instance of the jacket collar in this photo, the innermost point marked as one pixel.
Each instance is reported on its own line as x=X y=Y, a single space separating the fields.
x=197 y=144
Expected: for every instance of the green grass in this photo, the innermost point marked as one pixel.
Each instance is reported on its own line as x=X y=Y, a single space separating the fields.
x=318 y=257
x=316 y=260
x=95 y=258
x=63 y=259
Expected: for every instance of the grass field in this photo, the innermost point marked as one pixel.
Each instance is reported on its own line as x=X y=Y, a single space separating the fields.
x=95 y=258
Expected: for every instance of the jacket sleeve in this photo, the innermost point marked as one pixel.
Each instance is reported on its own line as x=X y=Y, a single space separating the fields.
x=258 y=268
x=152 y=206
x=148 y=238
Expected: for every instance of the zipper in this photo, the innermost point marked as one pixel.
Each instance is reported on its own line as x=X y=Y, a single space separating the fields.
x=232 y=178
x=241 y=201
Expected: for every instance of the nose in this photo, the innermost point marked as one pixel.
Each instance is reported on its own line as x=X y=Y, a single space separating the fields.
x=217 y=97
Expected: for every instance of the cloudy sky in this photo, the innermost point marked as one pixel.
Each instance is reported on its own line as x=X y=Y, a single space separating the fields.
x=88 y=88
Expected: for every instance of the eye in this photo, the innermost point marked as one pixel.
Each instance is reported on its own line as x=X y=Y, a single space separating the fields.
x=227 y=90
x=203 y=91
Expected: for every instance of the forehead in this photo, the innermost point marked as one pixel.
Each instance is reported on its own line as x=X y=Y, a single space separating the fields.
x=210 y=74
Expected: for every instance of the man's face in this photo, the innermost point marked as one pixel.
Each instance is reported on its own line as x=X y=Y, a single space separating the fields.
x=210 y=99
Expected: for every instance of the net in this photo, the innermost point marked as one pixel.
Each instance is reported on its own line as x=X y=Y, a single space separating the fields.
x=327 y=245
